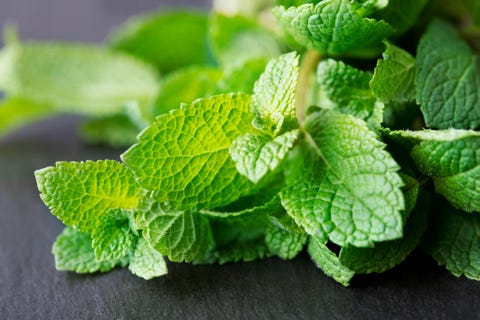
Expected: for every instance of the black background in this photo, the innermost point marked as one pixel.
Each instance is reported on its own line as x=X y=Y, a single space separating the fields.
x=31 y=288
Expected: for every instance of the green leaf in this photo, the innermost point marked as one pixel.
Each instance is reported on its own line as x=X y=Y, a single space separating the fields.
x=115 y=131
x=386 y=255
x=240 y=235
x=79 y=193
x=248 y=8
x=73 y=252
x=447 y=79
x=169 y=40
x=227 y=233
x=183 y=157
x=257 y=153
x=241 y=77
x=372 y=6
x=184 y=86
x=146 y=262
x=410 y=138
x=328 y=261
x=341 y=183
x=331 y=26
x=246 y=251
x=179 y=235
x=237 y=39
x=394 y=76
x=455 y=169
x=285 y=222
x=274 y=93
x=15 y=113
x=411 y=190
x=286 y=245
x=453 y=239
x=113 y=238
x=290 y=3
x=402 y=14
x=347 y=90
x=75 y=78
x=254 y=215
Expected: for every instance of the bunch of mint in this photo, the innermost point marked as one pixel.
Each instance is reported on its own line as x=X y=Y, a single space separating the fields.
x=346 y=127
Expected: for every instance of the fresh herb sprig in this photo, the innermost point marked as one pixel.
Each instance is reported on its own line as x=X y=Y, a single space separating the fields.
x=269 y=131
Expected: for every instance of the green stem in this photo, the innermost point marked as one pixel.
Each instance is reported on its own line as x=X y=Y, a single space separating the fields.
x=308 y=66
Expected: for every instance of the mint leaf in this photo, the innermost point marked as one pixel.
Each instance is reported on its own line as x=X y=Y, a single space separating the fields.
x=394 y=76
x=146 y=262
x=447 y=79
x=183 y=157
x=274 y=93
x=15 y=113
x=455 y=169
x=230 y=233
x=184 y=86
x=386 y=255
x=99 y=81
x=73 y=252
x=286 y=245
x=169 y=40
x=247 y=8
x=246 y=153
x=256 y=154
x=241 y=77
x=256 y=214
x=290 y=3
x=331 y=26
x=411 y=190
x=245 y=251
x=285 y=222
x=453 y=239
x=113 y=238
x=411 y=138
x=179 y=235
x=236 y=39
x=273 y=104
x=347 y=90
x=240 y=235
x=342 y=188
x=329 y=262
x=238 y=240
x=115 y=131
x=372 y=6
x=402 y=14
x=79 y=193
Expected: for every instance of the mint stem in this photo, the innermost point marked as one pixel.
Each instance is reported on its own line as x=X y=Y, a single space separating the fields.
x=308 y=66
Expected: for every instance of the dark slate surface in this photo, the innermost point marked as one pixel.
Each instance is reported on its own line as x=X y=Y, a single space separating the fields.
x=77 y=20
x=30 y=288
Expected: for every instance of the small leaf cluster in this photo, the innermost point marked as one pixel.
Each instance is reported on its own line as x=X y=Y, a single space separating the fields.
x=311 y=125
